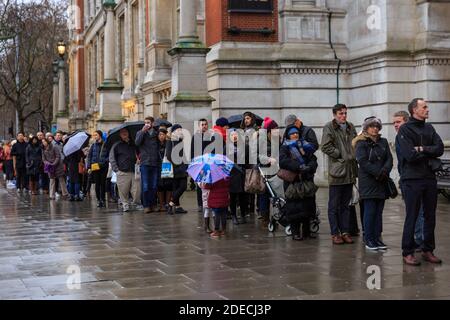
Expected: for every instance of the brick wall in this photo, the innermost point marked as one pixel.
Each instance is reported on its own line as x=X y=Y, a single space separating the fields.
x=219 y=20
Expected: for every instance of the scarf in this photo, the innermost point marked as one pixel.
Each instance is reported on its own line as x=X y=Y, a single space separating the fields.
x=294 y=150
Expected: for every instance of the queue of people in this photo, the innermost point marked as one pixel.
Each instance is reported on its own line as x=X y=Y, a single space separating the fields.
x=136 y=167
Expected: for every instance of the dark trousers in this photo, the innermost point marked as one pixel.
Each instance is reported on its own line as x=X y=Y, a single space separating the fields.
x=44 y=181
x=99 y=178
x=179 y=187
x=149 y=185
x=304 y=224
x=199 y=196
x=220 y=218
x=74 y=189
x=264 y=205
x=21 y=174
x=417 y=193
x=242 y=198
x=338 y=208
x=373 y=219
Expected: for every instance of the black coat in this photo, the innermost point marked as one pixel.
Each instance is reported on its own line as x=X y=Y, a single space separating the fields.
x=179 y=170
x=416 y=133
x=33 y=159
x=72 y=162
x=375 y=164
x=148 y=145
x=237 y=178
x=19 y=150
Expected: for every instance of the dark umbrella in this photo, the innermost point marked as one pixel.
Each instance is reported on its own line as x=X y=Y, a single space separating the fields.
x=114 y=134
x=75 y=142
x=236 y=120
x=162 y=122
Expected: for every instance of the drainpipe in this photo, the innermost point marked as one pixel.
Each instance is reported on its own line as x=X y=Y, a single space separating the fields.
x=335 y=55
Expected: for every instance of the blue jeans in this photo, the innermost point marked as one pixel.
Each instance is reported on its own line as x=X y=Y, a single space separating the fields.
x=149 y=185
x=373 y=219
x=339 y=209
x=74 y=189
x=220 y=218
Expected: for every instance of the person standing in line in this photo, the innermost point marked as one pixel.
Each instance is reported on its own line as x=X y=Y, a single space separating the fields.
x=33 y=164
x=123 y=158
x=43 y=177
x=164 y=185
x=420 y=147
x=18 y=153
x=400 y=118
x=97 y=165
x=148 y=145
x=200 y=138
x=179 y=163
x=342 y=172
x=54 y=167
x=375 y=164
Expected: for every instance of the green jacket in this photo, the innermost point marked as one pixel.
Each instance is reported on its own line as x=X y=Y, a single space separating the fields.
x=337 y=145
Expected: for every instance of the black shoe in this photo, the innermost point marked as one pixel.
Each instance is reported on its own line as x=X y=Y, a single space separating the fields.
x=99 y=204
x=180 y=210
x=297 y=237
x=381 y=245
x=72 y=198
x=200 y=209
x=371 y=245
x=243 y=220
x=77 y=198
x=170 y=210
x=235 y=220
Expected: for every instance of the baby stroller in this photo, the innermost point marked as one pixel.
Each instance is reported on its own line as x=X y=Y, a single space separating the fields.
x=275 y=186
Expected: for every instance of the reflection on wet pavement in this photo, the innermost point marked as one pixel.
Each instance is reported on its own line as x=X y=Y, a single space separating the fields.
x=155 y=256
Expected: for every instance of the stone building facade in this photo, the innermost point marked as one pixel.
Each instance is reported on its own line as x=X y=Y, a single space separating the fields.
x=272 y=57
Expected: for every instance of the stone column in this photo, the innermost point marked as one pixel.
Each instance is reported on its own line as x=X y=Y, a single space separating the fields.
x=110 y=107
x=190 y=99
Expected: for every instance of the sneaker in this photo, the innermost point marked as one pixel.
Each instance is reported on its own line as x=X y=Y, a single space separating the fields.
x=381 y=245
x=235 y=220
x=371 y=245
x=180 y=210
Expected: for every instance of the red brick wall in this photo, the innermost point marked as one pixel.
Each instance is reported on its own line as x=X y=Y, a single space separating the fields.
x=218 y=20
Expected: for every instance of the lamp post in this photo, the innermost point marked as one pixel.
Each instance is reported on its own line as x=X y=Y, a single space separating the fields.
x=62 y=81
x=55 y=64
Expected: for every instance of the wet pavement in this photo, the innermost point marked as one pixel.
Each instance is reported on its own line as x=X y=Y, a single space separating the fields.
x=155 y=256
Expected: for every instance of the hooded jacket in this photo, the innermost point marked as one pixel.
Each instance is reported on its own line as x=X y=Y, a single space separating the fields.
x=416 y=165
x=375 y=163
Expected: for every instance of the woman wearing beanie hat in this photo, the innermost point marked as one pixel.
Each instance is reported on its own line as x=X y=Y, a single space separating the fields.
x=374 y=158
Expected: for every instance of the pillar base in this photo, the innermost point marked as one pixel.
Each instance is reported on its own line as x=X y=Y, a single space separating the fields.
x=110 y=107
x=186 y=112
x=62 y=122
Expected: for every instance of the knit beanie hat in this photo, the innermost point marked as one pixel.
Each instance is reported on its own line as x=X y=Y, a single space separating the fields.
x=292 y=131
x=372 y=122
x=222 y=122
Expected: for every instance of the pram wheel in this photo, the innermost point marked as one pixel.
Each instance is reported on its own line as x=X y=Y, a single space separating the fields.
x=315 y=227
x=271 y=226
x=288 y=230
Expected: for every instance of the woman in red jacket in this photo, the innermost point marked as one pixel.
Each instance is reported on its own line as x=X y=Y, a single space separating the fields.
x=218 y=201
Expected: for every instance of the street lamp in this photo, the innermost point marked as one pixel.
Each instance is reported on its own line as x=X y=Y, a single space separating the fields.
x=55 y=67
x=61 y=48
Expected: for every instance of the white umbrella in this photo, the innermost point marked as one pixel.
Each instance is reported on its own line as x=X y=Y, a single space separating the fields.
x=75 y=142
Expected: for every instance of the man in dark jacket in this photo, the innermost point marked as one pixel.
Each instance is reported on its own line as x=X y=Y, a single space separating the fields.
x=200 y=140
x=148 y=144
x=18 y=152
x=420 y=146
x=122 y=158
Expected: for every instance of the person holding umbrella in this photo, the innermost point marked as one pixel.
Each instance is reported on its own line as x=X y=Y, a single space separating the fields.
x=123 y=158
x=148 y=144
x=97 y=164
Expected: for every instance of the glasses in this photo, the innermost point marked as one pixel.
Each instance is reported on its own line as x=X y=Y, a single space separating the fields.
x=342 y=113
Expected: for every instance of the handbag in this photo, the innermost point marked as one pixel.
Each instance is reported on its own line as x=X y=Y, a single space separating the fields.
x=391 y=189
x=96 y=166
x=254 y=182
x=137 y=172
x=355 y=196
x=287 y=175
x=435 y=165
x=300 y=190
x=81 y=168
x=166 y=169
x=49 y=168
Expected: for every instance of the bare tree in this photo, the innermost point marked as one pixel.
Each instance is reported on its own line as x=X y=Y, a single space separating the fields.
x=26 y=60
